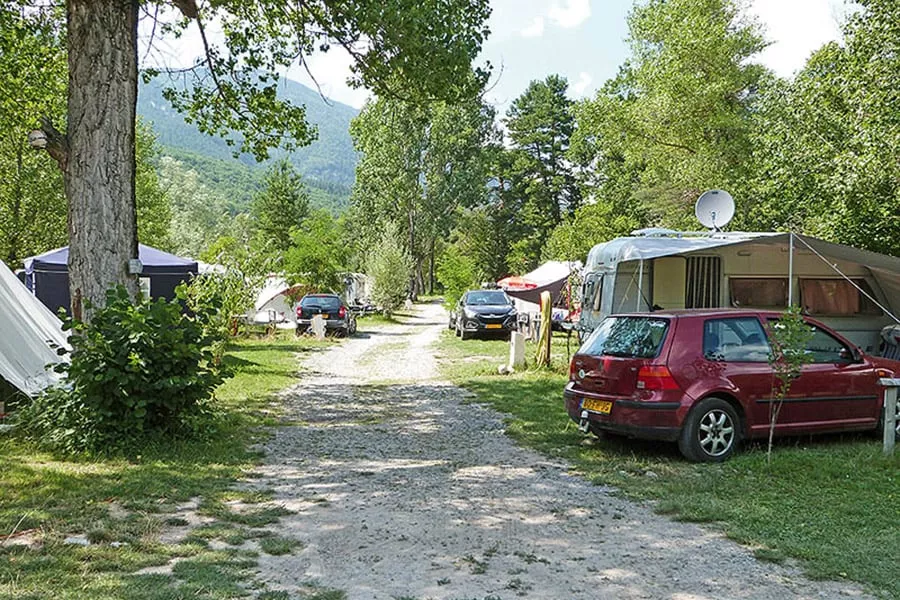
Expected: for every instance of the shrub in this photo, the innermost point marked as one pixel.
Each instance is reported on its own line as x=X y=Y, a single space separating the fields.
x=217 y=299
x=136 y=370
x=457 y=273
x=390 y=268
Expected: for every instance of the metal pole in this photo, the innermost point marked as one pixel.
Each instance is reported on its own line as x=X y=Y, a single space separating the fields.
x=791 y=269
x=640 y=290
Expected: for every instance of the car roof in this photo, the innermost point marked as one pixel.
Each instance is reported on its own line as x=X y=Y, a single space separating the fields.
x=704 y=313
x=321 y=296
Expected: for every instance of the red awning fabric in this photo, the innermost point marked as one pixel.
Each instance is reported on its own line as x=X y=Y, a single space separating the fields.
x=516 y=283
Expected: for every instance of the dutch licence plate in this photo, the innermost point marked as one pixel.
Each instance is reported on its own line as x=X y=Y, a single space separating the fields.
x=493 y=326
x=603 y=407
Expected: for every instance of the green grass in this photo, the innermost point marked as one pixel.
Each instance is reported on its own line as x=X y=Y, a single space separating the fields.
x=121 y=504
x=831 y=503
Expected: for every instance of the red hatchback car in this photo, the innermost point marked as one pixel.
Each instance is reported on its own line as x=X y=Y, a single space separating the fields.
x=703 y=378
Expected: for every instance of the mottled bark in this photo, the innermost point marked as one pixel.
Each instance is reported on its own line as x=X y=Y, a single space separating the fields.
x=100 y=162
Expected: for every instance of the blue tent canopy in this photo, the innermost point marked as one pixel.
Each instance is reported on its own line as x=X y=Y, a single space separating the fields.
x=47 y=274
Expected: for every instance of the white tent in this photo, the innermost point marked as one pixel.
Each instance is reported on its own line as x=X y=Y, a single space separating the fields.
x=31 y=335
x=274 y=304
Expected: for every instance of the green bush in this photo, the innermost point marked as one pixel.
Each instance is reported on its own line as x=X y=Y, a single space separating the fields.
x=218 y=299
x=136 y=370
x=390 y=267
x=457 y=273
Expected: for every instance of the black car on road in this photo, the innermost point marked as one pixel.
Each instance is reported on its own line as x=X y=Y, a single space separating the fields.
x=338 y=318
x=483 y=312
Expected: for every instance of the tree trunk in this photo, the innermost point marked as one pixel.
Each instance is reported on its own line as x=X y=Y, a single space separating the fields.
x=100 y=163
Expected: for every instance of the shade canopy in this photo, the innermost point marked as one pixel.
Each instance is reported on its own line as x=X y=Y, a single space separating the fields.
x=155 y=262
x=47 y=275
x=549 y=277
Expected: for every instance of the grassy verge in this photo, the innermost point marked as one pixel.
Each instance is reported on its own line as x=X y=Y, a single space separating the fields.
x=81 y=529
x=830 y=503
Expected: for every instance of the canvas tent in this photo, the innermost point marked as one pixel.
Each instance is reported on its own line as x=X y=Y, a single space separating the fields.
x=47 y=275
x=275 y=302
x=31 y=335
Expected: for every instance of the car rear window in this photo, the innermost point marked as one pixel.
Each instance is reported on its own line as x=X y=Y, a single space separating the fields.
x=487 y=298
x=326 y=302
x=635 y=337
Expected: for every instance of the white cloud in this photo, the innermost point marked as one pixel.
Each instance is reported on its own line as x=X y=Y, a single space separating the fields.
x=535 y=29
x=580 y=87
x=569 y=13
x=796 y=29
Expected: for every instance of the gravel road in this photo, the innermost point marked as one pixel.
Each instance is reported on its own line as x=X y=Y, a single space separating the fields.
x=401 y=491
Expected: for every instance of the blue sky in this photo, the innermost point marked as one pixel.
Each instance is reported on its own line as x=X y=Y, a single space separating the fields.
x=584 y=40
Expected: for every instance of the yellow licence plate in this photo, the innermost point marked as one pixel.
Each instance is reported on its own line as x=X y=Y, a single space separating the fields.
x=493 y=326
x=603 y=407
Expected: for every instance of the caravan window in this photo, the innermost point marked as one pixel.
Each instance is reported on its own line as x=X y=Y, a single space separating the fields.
x=836 y=297
x=592 y=293
x=598 y=293
x=759 y=292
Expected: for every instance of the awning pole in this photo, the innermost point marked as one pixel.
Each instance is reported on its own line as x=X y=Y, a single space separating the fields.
x=791 y=269
x=640 y=290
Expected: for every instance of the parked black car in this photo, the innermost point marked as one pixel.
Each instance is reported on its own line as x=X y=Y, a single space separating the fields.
x=338 y=318
x=483 y=312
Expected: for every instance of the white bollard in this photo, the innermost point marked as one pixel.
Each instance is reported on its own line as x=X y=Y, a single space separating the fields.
x=890 y=413
x=516 y=350
x=318 y=327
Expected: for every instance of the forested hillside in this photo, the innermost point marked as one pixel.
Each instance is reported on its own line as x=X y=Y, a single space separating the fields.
x=328 y=161
x=238 y=182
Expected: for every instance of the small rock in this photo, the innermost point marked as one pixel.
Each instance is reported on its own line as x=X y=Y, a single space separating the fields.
x=651 y=475
x=77 y=540
x=118 y=544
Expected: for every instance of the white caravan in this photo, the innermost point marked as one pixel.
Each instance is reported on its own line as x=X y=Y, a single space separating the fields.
x=854 y=291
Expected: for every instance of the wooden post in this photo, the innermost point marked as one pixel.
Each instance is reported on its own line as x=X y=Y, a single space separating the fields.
x=543 y=357
x=890 y=414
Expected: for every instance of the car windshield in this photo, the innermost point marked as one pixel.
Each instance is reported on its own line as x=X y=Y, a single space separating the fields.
x=487 y=297
x=634 y=337
x=321 y=302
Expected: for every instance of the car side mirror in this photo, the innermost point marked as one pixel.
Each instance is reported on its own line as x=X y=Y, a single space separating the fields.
x=848 y=355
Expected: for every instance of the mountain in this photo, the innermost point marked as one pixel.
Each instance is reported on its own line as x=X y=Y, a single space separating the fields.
x=327 y=165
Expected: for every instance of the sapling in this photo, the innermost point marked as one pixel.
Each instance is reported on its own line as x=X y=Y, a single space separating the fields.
x=789 y=336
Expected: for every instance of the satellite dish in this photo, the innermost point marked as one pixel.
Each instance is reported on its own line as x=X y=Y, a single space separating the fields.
x=714 y=209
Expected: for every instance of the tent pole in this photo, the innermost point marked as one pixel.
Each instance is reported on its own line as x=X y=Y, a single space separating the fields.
x=791 y=269
x=640 y=290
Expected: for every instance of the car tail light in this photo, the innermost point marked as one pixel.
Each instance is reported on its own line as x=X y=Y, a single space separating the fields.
x=342 y=312
x=884 y=373
x=572 y=370
x=299 y=312
x=654 y=377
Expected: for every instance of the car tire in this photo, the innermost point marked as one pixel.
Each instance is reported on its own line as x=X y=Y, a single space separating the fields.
x=711 y=431
x=451 y=324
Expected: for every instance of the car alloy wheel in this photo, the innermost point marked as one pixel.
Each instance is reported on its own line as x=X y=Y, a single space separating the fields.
x=711 y=432
x=716 y=433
